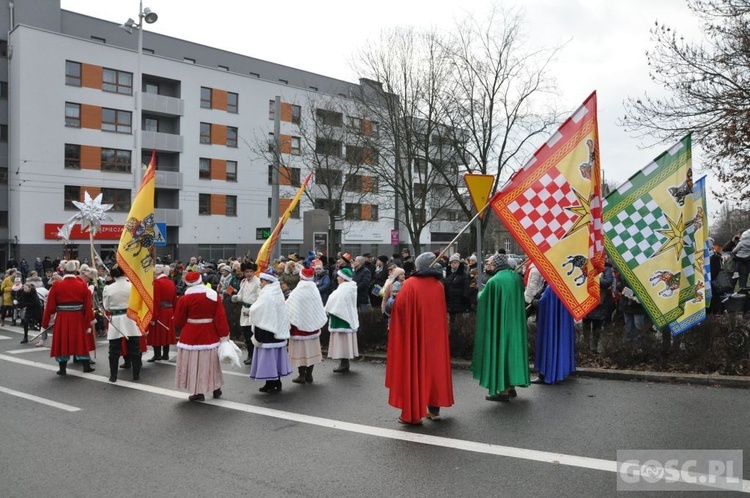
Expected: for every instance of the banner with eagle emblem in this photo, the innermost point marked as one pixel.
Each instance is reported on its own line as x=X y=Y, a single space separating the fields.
x=648 y=232
x=553 y=208
x=135 y=252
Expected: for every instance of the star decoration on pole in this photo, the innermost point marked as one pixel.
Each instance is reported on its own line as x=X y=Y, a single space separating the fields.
x=92 y=213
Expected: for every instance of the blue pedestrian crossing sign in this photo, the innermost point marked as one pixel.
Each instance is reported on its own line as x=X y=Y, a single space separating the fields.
x=160 y=234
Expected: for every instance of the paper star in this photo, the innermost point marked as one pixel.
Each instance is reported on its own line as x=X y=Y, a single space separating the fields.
x=92 y=213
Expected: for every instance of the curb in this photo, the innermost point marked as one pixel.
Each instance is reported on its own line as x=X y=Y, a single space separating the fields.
x=738 y=382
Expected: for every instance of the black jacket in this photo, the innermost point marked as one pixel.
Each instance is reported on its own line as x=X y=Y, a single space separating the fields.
x=457 y=290
x=363 y=278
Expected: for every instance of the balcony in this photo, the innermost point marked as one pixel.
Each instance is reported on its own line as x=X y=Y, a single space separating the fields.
x=168 y=179
x=172 y=217
x=161 y=141
x=161 y=104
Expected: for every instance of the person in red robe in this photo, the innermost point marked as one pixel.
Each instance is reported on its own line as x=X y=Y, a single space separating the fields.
x=418 y=367
x=162 y=332
x=70 y=301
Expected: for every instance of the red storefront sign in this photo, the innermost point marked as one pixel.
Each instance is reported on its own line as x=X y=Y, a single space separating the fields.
x=108 y=232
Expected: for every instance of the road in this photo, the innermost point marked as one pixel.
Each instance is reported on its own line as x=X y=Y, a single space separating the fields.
x=83 y=436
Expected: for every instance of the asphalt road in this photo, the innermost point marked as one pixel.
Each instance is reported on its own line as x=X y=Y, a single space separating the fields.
x=336 y=437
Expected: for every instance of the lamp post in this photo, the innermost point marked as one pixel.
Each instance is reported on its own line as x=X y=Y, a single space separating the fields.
x=150 y=17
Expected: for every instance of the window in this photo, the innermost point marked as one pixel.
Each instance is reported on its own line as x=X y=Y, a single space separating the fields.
x=420 y=165
x=117 y=81
x=353 y=211
x=375 y=128
x=204 y=168
x=72 y=73
x=4 y=176
x=271 y=143
x=148 y=50
x=353 y=183
x=355 y=154
x=328 y=205
x=4 y=133
x=355 y=124
x=328 y=177
x=204 y=203
x=254 y=75
x=223 y=68
x=151 y=88
x=296 y=146
x=99 y=39
x=3 y=90
x=205 y=133
x=231 y=209
x=72 y=115
x=206 y=97
x=327 y=147
x=283 y=82
x=116 y=160
x=296 y=114
x=287 y=176
x=188 y=60
x=330 y=118
x=231 y=171
x=372 y=156
x=231 y=136
x=282 y=203
x=270 y=174
x=118 y=197
x=71 y=193
x=117 y=121
x=233 y=102
x=373 y=213
x=271 y=110
x=3 y=219
x=72 y=156
x=150 y=124
x=269 y=206
x=295 y=212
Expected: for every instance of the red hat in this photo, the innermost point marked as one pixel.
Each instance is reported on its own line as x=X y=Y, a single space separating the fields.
x=307 y=274
x=193 y=278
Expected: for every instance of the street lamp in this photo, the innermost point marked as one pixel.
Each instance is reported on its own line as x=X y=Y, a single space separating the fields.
x=150 y=17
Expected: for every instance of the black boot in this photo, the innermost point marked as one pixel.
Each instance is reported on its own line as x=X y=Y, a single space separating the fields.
x=300 y=379
x=268 y=387
x=113 y=360
x=343 y=366
x=87 y=366
x=165 y=353
x=25 y=337
x=157 y=354
x=308 y=374
x=277 y=385
x=126 y=363
x=63 y=368
x=136 y=361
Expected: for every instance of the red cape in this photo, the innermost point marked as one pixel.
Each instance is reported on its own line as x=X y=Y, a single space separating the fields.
x=418 y=370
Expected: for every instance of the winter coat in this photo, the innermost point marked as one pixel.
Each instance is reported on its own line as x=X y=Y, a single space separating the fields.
x=606 y=301
x=363 y=278
x=457 y=290
x=742 y=249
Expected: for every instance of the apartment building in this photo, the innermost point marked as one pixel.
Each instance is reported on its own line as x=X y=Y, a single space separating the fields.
x=68 y=127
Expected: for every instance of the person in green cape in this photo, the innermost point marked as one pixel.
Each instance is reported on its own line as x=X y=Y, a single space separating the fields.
x=501 y=359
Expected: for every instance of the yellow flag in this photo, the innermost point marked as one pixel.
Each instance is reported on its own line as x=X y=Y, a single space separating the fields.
x=135 y=253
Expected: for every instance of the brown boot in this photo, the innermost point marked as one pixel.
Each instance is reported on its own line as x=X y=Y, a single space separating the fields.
x=300 y=379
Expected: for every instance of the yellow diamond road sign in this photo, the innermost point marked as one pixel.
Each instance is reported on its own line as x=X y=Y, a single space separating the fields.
x=479 y=187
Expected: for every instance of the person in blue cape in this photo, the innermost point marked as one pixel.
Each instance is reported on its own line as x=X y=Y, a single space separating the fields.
x=555 y=355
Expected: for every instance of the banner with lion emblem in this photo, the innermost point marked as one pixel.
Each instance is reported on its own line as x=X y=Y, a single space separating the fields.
x=553 y=208
x=648 y=233
x=135 y=253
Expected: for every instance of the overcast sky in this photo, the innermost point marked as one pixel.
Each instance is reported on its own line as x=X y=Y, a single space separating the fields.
x=605 y=43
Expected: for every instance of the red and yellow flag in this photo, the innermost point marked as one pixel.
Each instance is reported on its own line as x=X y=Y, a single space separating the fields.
x=553 y=208
x=264 y=255
x=135 y=253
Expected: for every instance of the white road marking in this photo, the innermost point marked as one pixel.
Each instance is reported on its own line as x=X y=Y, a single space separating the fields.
x=44 y=401
x=2 y=337
x=27 y=350
x=402 y=435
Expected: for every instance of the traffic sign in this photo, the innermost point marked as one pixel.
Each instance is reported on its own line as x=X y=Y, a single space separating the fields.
x=479 y=187
x=160 y=234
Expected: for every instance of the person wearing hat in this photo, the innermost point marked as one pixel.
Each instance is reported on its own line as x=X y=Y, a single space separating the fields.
x=7 y=289
x=307 y=316
x=418 y=368
x=162 y=332
x=200 y=316
x=379 y=277
x=363 y=278
x=247 y=295
x=70 y=300
x=270 y=334
x=501 y=361
x=344 y=321
x=456 y=284
x=322 y=280
x=122 y=328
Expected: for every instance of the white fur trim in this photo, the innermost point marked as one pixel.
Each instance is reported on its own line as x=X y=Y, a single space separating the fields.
x=271 y=345
x=343 y=331
x=202 y=289
x=198 y=347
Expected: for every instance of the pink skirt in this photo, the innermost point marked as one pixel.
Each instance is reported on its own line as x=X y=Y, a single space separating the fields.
x=343 y=345
x=198 y=371
x=305 y=353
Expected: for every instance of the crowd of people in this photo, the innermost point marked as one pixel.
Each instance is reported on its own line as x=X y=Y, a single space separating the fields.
x=285 y=308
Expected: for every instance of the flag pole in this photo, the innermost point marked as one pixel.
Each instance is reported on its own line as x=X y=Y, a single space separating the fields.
x=462 y=231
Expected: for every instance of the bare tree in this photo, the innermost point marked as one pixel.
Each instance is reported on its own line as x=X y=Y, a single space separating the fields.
x=708 y=87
